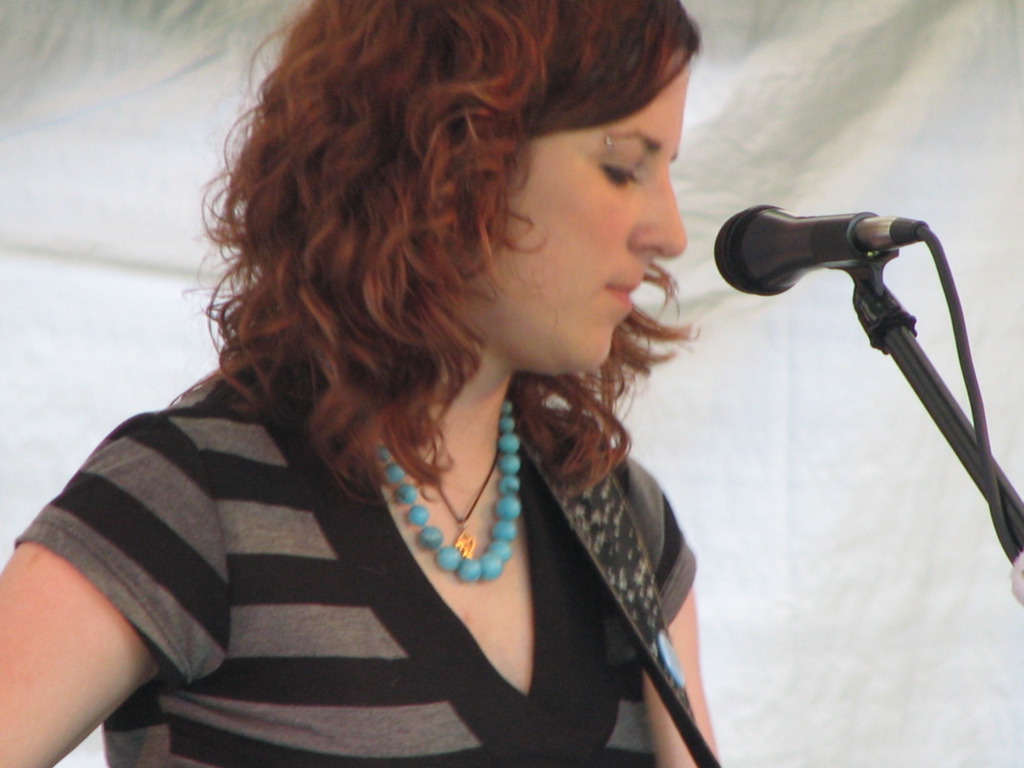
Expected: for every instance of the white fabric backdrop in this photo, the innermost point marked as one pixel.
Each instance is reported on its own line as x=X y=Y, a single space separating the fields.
x=854 y=600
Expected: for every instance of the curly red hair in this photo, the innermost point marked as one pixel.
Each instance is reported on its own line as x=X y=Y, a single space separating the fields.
x=369 y=188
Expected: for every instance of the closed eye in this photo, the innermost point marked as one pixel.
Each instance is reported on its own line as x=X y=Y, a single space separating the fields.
x=620 y=177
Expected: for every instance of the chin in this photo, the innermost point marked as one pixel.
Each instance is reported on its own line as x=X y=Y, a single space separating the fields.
x=589 y=363
x=582 y=357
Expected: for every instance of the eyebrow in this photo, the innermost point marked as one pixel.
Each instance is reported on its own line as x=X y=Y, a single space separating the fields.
x=651 y=145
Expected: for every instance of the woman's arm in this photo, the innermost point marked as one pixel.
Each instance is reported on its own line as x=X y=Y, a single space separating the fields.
x=68 y=658
x=668 y=744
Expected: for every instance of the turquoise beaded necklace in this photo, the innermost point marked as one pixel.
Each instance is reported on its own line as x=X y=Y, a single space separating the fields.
x=457 y=558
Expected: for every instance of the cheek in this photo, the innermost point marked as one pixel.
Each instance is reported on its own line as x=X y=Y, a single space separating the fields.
x=579 y=224
x=588 y=248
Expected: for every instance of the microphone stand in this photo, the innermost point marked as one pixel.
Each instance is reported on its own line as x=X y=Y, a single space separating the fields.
x=891 y=329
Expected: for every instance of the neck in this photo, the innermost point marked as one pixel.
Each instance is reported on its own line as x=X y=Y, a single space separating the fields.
x=469 y=428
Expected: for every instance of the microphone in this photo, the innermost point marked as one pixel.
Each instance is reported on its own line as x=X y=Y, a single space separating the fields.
x=764 y=250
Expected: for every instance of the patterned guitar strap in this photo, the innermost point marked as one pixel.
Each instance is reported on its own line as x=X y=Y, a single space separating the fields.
x=603 y=521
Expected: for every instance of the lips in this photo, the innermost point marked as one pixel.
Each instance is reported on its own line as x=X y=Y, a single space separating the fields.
x=623 y=292
x=626 y=285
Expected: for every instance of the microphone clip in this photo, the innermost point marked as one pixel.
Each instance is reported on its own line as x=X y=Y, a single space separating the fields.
x=878 y=310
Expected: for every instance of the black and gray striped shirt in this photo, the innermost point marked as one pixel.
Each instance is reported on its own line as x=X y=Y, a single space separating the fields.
x=292 y=626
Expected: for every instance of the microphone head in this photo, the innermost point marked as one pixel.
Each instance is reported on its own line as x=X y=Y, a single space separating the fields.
x=764 y=250
x=729 y=258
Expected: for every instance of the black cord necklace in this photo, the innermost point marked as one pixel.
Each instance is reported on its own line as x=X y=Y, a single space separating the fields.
x=466 y=542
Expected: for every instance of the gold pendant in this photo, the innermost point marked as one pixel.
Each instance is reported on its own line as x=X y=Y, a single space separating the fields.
x=466 y=545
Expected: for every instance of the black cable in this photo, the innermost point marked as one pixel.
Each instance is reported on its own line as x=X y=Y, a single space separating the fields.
x=1009 y=534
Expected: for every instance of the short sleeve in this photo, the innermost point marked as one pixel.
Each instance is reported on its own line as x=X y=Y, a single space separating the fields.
x=676 y=570
x=138 y=520
x=674 y=563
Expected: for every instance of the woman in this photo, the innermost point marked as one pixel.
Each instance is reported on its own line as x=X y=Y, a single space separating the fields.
x=348 y=544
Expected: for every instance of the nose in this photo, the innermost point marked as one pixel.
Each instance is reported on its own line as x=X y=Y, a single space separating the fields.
x=661 y=232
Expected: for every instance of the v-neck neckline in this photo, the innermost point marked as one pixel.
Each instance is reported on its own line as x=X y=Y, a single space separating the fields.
x=396 y=563
x=423 y=622
x=426 y=598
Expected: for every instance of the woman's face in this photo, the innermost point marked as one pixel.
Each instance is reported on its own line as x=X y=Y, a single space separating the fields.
x=599 y=207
